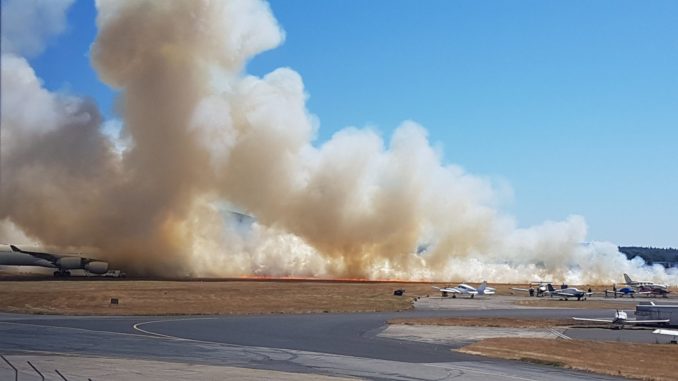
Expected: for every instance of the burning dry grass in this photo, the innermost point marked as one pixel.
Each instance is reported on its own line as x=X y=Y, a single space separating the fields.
x=202 y=297
x=641 y=361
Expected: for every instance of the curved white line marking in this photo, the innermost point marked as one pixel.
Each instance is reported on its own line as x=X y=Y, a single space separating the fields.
x=156 y=334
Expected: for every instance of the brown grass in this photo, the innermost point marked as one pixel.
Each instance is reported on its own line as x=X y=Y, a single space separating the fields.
x=498 y=322
x=641 y=361
x=195 y=297
x=182 y=297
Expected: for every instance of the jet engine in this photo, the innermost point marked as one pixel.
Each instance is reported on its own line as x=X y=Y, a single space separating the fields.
x=97 y=267
x=70 y=263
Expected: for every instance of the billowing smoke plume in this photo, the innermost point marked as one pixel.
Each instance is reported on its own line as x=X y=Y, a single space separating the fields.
x=200 y=138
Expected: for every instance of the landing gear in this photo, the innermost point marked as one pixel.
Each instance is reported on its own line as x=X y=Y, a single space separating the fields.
x=62 y=274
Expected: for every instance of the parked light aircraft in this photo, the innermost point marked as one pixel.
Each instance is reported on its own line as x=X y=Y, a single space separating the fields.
x=484 y=290
x=647 y=287
x=11 y=255
x=465 y=289
x=539 y=288
x=624 y=291
x=621 y=319
x=569 y=292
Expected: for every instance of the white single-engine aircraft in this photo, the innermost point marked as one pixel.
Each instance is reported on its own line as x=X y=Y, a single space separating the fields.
x=11 y=255
x=537 y=288
x=621 y=319
x=465 y=289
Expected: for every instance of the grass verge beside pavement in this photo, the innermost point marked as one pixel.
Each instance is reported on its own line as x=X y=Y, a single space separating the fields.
x=656 y=362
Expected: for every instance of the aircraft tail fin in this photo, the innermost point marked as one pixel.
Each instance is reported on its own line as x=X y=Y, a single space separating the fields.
x=550 y=287
x=627 y=278
x=482 y=287
x=14 y=248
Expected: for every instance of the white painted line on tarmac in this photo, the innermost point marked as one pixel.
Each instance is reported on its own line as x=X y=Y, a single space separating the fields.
x=156 y=334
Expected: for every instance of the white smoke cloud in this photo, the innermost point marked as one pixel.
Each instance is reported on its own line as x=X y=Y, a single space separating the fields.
x=27 y=25
x=199 y=134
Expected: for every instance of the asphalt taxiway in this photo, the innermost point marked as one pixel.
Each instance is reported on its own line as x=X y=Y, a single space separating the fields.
x=323 y=344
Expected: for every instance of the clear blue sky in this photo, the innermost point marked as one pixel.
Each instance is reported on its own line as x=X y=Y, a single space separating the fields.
x=574 y=104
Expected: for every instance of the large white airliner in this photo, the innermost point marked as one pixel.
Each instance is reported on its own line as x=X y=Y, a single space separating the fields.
x=11 y=255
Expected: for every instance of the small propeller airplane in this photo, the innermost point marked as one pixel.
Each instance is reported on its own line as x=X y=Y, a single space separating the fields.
x=567 y=293
x=538 y=288
x=621 y=319
x=647 y=288
x=465 y=289
x=624 y=291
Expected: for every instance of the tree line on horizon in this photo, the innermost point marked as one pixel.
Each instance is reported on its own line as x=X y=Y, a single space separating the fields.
x=667 y=257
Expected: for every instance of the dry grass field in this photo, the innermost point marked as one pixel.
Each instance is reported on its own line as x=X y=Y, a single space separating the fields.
x=640 y=361
x=136 y=297
x=184 y=297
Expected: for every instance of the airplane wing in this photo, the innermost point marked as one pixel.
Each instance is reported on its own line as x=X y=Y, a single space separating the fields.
x=452 y=290
x=48 y=257
x=520 y=289
x=562 y=294
x=615 y=292
x=647 y=321
x=447 y=289
x=62 y=262
x=671 y=332
x=594 y=320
